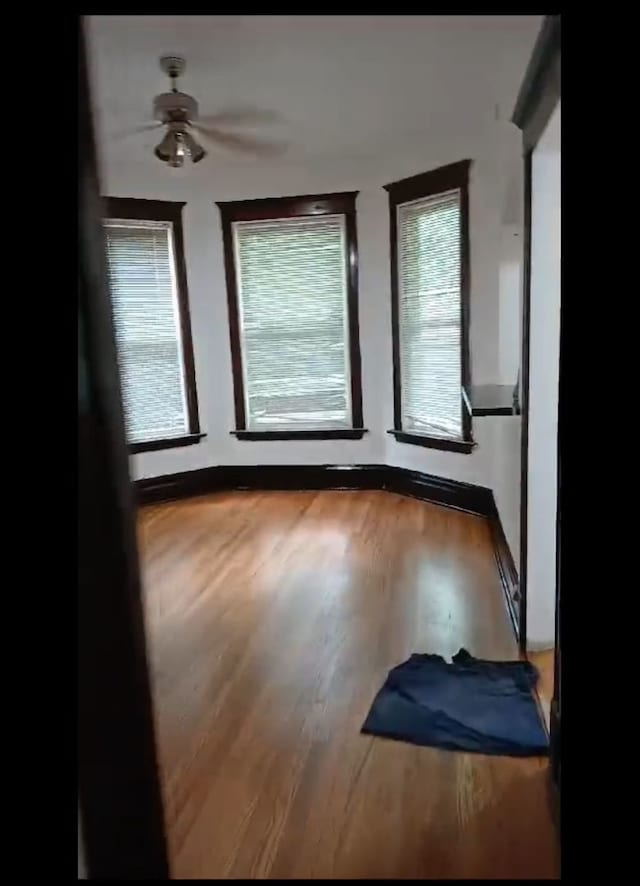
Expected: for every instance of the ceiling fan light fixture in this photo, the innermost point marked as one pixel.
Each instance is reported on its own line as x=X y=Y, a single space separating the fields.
x=177 y=112
x=196 y=151
x=176 y=145
x=177 y=156
x=166 y=148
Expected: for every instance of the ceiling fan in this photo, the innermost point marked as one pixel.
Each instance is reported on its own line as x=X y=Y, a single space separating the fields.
x=178 y=113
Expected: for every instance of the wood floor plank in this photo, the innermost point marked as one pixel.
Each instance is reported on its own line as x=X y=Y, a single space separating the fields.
x=273 y=619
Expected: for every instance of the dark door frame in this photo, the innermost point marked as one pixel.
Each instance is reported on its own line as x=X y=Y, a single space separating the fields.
x=537 y=99
x=118 y=785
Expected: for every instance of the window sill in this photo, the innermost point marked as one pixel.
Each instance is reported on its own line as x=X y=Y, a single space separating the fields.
x=317 y=434
x=463 y=446
x=167 y=443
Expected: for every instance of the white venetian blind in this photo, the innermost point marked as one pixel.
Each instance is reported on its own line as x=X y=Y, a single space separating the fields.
x=143 y=296
x=292 y=294
x=430 y=315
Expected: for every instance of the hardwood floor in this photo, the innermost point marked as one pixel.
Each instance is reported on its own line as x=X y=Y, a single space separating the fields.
x=273 y=619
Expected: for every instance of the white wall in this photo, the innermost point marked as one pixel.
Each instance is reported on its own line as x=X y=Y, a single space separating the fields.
x=507 y=430
x=509 y=308
x=543 y=387
x=226 y=178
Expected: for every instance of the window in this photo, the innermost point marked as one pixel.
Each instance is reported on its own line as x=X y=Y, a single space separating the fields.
x=430 y=297
x=291 y=266
x=147 y=279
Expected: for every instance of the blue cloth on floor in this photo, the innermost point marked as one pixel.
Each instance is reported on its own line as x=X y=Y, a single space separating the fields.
x=466 y=705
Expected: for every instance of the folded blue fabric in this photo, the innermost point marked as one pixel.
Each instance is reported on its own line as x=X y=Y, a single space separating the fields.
x=469 y=704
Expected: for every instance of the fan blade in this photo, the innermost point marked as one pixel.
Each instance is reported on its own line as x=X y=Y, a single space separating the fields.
x=136 y=130
x=240 y=117
x=240 y=142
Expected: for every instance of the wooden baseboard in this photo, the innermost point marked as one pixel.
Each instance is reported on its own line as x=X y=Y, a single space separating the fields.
x=426 y=487
x=173 y=486
x=224 y=478
x=439 y=490
x=506 y=566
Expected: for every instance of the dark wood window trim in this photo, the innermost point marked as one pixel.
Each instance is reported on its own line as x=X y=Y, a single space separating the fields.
x=428 y=184
x=166 y=443
x=167 y=211
x=326 y=434
x=444 y=443
x=294 y=207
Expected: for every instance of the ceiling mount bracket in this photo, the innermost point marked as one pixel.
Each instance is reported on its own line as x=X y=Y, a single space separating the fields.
x=173 y=66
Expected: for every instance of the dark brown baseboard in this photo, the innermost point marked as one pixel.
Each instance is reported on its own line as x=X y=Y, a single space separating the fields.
x=440 y=490
x=224 y=478
x=426 y=487
x=506 y=567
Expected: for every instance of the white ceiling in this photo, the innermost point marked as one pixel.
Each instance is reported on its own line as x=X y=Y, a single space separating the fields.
x=346 y=86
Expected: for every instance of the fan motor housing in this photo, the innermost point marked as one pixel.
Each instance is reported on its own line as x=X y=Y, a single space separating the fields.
x=171 y=105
